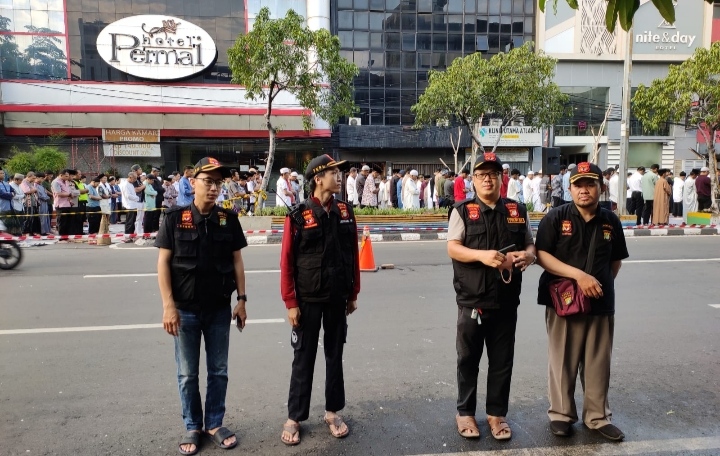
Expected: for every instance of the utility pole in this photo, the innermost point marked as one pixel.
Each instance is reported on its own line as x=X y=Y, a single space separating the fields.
x=625 y=123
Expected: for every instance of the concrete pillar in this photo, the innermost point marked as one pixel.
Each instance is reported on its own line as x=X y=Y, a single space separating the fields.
x=318 y=14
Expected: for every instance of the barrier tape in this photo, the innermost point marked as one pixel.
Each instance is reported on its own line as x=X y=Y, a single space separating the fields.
x=67 y=237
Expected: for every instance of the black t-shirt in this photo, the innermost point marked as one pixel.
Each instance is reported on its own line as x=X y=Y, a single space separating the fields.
x=206 y=226
x=564 y=234
x=140 y=195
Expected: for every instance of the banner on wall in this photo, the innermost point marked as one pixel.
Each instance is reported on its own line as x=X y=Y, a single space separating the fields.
x=124 y=142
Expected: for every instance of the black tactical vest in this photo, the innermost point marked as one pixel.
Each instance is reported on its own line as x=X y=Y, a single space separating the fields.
x=477 y=285
x=213 y=265
x=325 y=253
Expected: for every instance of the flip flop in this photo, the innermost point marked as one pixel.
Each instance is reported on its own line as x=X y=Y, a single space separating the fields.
x=337 y=421
x=465 y=426
x=291 y=429
x=190 y=438
x=498 y=430
x=219 y=437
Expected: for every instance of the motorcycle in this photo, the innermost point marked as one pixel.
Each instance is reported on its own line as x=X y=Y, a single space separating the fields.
x=10 y=253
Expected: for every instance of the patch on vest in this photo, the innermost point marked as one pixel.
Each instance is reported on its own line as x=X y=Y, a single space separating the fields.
x=514 y=213
x=473 y=211
x=344 y=213
x=223 y=218
x=607 y=235
x=186 y=220
x=566 y=228
x=309 y=217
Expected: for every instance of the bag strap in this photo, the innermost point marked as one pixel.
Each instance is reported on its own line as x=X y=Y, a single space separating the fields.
x=591 y=253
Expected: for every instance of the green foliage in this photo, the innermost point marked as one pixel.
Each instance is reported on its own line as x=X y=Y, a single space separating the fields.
x=38 y=159
x=690 y=89
x=21 y=162
x=49 y=158
x=624 y=11
x=509 y=86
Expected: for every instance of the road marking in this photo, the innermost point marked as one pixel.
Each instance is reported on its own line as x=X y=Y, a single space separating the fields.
x=154 y=274
x=673 y=260
x=609 y=449
x=113 y=328
x=717 y=306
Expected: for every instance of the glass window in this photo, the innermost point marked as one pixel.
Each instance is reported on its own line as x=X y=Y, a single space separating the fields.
x=362 y=59
x=455 y=23
x=439 y=42
x=393 y=41
x=439 y=23
x=377 y=60
x=345 y=4
x=494 y=7
x=518 y=7
x=481 y=43
x=494 y=43
x=408 y=42
x=469 y=44
x=506 y=6
x=40 y=20
x=424 y=41
x=346 y=39
x=362 y=40
x=470 y=7
x=376 y=41
x=505 y=26
x=425 y=6
x=392 y=79
x=377 y=21
x=392 y=22
x=391 y=5
x=455 y=42
x=345 y=20
x=361 y=4
x=424 y=23
x=455 y=6
x=377 y=96
x=529 y=24
x=361 y=20
x=22 y=21
x=21 y=4
x=377 y=5
x=482 y=6
x=409 y=23
x=469 y=26
x=425 y=61
x=494 y=24
x=529 y=6
x=56 y=21
x=377 y=80
x=409 y=62
x=482 y=25
x=392 y=59
x=517 y=26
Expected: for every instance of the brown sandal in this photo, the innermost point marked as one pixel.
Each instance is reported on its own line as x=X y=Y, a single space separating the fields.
x=337 y=421
x=500 y=430
x=291 y=429
x=467 y=427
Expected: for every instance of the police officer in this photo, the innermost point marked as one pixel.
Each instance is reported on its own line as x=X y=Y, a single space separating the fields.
x=490 y=244
x=199 y=268
x=319 y=282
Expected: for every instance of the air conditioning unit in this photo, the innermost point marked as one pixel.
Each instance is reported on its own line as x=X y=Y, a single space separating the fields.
x=442 y=123
x=518 y=123
x=496 y=122
x=354 y=121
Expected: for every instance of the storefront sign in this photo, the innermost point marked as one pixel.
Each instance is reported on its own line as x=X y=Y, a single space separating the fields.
x=131 y=143
x=161 y=48
x=654 y=35
x=511 y=136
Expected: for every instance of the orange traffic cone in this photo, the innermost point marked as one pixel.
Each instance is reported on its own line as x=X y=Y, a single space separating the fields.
x=367 y=259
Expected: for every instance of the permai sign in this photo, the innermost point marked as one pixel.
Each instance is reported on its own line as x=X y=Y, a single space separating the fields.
x=161 y=48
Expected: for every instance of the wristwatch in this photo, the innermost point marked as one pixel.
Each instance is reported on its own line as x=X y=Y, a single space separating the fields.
x=242 y=297
x=534 y=260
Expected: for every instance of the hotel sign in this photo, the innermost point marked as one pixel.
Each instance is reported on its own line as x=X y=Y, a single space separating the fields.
x=512 y=136
x=161 y=48
x=654 y=35
x=123 y=142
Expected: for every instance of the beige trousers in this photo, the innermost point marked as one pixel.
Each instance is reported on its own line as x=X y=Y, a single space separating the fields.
x=579 y=344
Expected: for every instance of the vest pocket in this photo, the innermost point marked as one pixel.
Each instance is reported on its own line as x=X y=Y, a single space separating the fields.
x=227 y=275
x=183 y=281
x=186 y=244
x=309 y=274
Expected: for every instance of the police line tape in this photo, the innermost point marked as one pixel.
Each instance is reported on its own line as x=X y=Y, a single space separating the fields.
x=118 y=211
x=67 y=237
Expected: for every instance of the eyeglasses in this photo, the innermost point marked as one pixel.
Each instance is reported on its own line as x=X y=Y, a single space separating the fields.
x=210 y=182
x=482 y=176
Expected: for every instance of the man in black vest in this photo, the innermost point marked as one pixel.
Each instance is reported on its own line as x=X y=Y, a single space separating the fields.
x=490 y=243
x=199 y=268
x=319 y=282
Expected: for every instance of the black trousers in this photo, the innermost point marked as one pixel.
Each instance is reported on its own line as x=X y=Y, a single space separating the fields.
x=64 y=220
x=647 y=212
x=305 y=342
x=78 y=218
x=497 y=333
x=636 y=206
x=704 y=202
x=677 y=209
x=557 y=201
x=151 y=221
x=94 y=216
x=130 y=217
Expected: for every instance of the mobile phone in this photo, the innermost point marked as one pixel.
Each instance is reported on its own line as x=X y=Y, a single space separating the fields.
x=510 y=248
x=238 y=324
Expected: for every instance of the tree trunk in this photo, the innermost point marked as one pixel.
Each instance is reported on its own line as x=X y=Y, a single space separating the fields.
x=270 y=159
x=712 y=161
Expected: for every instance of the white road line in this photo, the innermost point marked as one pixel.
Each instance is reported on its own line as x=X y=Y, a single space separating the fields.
x=602 y=449
x=673 y=260
x=154 y=274
x=717 y=306
x=112 y=328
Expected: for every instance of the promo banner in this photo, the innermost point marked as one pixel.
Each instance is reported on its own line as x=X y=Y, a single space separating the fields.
x=131 y=142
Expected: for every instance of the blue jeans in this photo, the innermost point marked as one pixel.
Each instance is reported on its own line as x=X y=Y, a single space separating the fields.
x=214 y=326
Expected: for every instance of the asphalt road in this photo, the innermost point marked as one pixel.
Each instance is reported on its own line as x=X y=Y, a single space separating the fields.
x=113 y=391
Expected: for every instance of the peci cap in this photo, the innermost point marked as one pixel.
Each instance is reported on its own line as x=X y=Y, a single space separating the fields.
x=704 y=169
x=505 y=166
x=294 y=174
x=323 y=162
x=489 y=158
x=585 y=170
x=414 y=172
x=210 y=164
x=365 y=168
x=571 y=166
x=284 y=170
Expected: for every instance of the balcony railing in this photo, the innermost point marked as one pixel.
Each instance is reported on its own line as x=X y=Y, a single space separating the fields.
x=636 y=129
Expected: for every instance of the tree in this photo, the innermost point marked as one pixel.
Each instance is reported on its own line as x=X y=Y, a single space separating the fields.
x=38 y=159
x=509 y=86
x=690 y=89
x=624 y=11
x=284 y=55
x=21 y=162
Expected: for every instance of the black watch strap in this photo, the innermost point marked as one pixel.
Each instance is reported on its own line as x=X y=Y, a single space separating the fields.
x=242 y=297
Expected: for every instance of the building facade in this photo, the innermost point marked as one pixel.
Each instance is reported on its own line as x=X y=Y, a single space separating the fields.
x=590 y=71
x=143 y=81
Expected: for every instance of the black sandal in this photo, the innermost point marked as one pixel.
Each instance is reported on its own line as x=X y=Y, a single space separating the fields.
x=219 y=437
x=191 y=438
